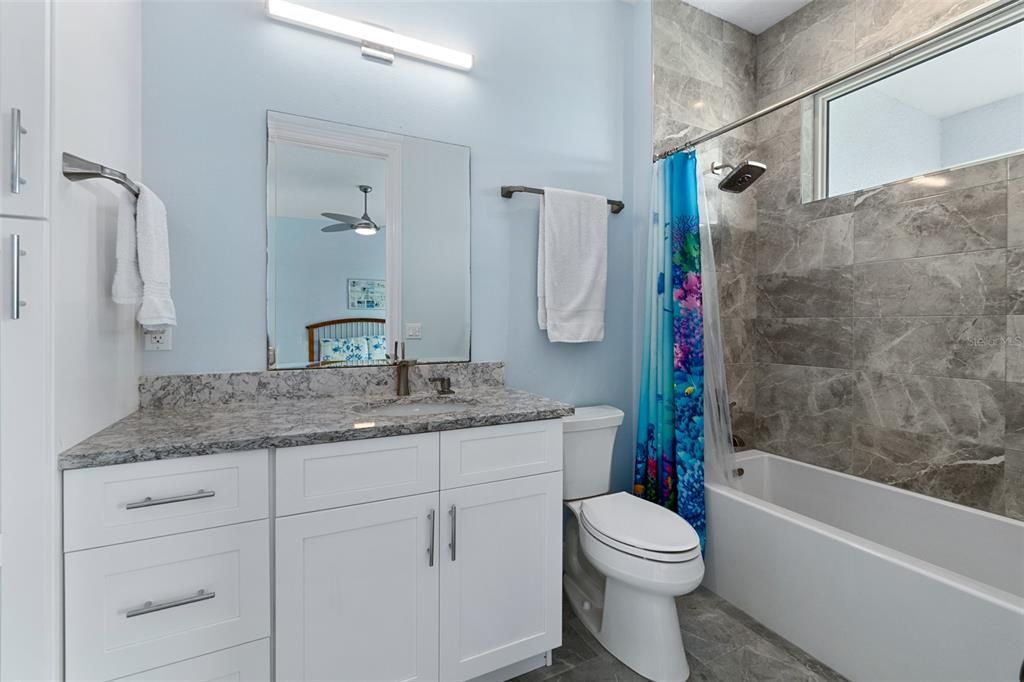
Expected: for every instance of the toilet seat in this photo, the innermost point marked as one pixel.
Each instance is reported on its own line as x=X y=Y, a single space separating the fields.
x=639 y=528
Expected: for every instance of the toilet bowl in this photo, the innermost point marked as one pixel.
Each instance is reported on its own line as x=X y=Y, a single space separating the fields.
x=626 y=559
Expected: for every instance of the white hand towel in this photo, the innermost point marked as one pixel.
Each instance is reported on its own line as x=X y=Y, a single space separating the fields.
x=127 y=287
x=157 y=308
x=572 y=265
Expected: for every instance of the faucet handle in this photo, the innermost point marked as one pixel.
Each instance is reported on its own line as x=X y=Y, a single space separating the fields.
x=443 y=385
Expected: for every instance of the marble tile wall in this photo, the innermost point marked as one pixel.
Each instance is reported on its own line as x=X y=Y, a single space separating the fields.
x=704 y=72
x=879 y=333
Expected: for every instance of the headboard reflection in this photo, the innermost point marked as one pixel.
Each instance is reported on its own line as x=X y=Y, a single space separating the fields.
x=340 y=329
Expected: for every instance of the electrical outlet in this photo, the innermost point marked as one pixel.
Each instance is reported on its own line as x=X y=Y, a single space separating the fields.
x=158 y=339
x=413 y=330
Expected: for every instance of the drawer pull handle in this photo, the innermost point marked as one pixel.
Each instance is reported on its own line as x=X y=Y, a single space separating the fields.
x=150 y=607
x=150 y=502
x=430 y=547
x=451 y=513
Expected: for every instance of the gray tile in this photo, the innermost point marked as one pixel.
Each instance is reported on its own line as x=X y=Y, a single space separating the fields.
x=796 y=48
x=941 y=182
x=1015 y=416
x=805 y=413
x=1014 y=343
x=962 y=409
x=1014 y=477
x=817 y=341
x=957 y=471
x=574 y=652
x=1015 y=210
x=827 y=292
x=601 y=669
x=741 y=382
x=966 y=347
x=787 y=244
x=735 y=247
x=761 y=661
x=965 y=220
x=1015 y=167
x=710 y=633
x=738 y=340
x=1015 y=281
x=959 y=284
x=736 y=295
x=881 y=24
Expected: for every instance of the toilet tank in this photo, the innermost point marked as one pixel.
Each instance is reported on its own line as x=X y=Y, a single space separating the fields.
x=588 y=440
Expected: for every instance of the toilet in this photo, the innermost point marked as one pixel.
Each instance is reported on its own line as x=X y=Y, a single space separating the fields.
x=626 y=559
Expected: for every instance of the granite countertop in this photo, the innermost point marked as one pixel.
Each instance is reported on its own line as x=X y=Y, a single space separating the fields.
x=154 y=433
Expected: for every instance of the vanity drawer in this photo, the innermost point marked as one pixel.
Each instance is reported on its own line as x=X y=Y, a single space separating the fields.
x=311 y=477
x=494 y=453
x=246 y=663
x=137 y=606
x=125 y=502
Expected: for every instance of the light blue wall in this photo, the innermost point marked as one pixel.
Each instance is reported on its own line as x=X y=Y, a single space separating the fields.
x=546 y=104
x=312 y=269
x=991 y=130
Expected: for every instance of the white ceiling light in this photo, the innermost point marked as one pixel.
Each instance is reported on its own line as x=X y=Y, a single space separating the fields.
x=291 y=13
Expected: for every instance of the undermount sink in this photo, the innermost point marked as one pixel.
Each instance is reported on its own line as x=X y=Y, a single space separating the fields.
x=418 y=408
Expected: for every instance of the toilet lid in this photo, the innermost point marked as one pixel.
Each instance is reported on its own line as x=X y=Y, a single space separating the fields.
x=640 y=524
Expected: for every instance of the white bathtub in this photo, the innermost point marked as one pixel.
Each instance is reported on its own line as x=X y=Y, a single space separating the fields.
x=876 y=582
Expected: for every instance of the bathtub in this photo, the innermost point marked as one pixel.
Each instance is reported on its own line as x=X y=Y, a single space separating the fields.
x=876 y=582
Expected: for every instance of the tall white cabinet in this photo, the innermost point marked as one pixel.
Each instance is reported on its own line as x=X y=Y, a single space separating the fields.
x=28 y=529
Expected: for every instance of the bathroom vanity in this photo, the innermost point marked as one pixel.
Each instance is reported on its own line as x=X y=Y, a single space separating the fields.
x=407 y=539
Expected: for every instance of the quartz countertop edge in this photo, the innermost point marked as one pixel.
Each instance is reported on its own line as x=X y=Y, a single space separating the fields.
x=151 y=434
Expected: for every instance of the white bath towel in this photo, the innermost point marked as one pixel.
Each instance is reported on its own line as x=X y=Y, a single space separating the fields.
x=572 y=265
x=157 y=309
x=127 y=287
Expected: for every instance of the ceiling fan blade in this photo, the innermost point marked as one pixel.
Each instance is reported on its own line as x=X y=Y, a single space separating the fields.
x=341 y=217
x=337 y=227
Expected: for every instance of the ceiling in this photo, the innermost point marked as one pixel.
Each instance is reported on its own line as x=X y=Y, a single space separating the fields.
x=976 y=74
x=752 y=15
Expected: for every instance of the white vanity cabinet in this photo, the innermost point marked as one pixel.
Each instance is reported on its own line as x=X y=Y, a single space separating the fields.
x=450 y=584
x=423 y=557
x=167 y=562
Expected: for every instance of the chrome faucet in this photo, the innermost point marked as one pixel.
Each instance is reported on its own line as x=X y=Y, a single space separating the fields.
x=402 y=380
x=443 y=385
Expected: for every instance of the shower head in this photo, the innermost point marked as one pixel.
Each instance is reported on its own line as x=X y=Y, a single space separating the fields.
x=740 y=177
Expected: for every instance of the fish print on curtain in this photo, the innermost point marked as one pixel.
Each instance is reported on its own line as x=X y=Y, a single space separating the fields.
x=670 y=433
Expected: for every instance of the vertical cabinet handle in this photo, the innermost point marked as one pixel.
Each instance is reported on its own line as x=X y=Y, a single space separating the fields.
x=430 y=547
x=17 y=130
x=451 y=514
x=16 y=253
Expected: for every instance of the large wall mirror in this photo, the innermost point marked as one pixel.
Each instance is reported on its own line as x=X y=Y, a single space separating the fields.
x=956 y=100
x=368 y=246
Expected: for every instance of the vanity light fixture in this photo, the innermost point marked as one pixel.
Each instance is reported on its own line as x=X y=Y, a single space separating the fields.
x=378 y=38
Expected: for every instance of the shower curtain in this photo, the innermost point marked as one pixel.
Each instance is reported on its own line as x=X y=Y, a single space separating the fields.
x=670 y=426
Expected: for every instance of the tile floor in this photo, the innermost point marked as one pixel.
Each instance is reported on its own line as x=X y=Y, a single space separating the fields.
x=723 y=644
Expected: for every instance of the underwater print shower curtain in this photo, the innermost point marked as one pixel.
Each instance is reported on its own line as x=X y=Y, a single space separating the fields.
x=670 y=418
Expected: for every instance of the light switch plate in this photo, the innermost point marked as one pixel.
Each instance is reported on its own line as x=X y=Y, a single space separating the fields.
x=159 y=339
x=413 y=330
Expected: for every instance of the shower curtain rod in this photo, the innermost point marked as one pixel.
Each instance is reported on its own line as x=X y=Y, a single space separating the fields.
x=900 y=49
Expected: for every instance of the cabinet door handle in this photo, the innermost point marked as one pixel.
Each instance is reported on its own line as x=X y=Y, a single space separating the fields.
x=17 y=130
x=430 y=547
x=16 y=253
x=451 y=514
x=150 y=502
x=150 y=607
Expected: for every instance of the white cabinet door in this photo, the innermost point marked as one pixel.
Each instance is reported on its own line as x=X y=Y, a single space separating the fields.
x=27 y=471
x=357 y=592
x=245 y=663
x=24 y=108
x=501 y=573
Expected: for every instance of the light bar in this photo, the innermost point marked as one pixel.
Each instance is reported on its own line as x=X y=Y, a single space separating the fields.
x=291 y=13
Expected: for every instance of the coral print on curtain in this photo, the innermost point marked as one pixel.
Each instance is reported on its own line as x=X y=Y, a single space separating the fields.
x=670 y=433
